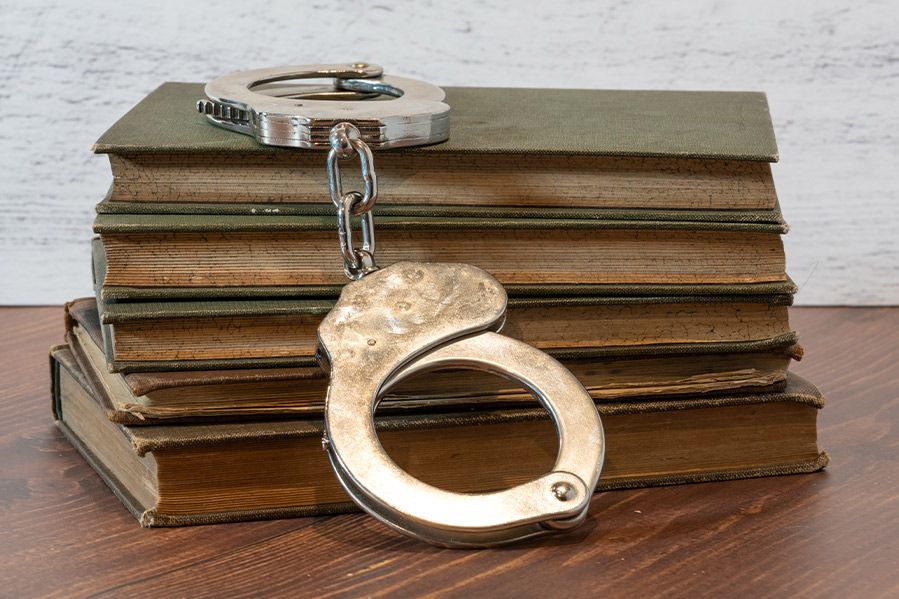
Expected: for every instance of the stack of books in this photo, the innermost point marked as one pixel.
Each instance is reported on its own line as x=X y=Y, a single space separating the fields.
x=637 y=233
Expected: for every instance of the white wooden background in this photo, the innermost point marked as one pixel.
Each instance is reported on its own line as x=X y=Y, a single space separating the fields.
x=831 y=71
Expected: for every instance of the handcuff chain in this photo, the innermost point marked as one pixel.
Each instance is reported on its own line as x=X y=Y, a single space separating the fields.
x=357 y=261
x=346 y=143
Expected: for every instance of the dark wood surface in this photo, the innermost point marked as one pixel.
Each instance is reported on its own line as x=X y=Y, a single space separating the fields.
x=830 y=534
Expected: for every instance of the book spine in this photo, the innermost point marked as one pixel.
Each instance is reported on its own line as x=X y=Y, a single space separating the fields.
x=98 y=263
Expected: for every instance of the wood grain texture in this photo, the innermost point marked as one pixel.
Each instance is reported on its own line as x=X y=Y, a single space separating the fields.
x=62 y=533
x=831 y=71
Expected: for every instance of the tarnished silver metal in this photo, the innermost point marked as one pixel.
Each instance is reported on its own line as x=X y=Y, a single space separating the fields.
x=411 y=317
x=263 y=104
x=346 y=143
x=357 y=262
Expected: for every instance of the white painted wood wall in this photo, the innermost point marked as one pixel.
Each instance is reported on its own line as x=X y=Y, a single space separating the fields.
x=831 y=71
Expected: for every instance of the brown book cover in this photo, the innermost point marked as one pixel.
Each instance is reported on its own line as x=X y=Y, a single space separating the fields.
x=271 y=333
x=179 y=396
x=276 y=469
x=233 y=251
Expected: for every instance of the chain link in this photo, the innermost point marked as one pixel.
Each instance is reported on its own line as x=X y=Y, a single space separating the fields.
x=357 y=261
x=346 y=143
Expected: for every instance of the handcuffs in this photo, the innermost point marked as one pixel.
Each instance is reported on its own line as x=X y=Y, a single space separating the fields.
x=392 y=323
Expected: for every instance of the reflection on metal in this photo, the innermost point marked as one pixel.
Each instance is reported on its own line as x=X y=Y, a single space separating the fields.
x=262 y=103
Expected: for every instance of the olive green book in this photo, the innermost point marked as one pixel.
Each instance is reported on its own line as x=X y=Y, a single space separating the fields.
x=146 y=398
x=202 y=474
x=484 y=120
x=196 y=335
x=525 y=152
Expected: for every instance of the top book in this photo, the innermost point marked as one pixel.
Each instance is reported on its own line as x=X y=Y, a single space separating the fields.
x=514 y=147
x=659 y=124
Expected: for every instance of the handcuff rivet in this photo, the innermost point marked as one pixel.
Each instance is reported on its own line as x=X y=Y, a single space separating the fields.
x=341 y=139
x=563 y=491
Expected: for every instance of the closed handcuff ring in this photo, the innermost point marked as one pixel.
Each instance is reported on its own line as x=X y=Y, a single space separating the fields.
x=413 y=317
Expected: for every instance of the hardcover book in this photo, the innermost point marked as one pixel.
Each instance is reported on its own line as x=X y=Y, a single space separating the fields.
x=178 y=396
x=231 y=251
x=200 y=474
x=535 y=149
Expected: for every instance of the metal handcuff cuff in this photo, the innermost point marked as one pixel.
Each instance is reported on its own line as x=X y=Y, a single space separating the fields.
x=392 y=323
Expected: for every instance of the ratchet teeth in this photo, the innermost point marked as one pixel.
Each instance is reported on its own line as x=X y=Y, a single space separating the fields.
x=221 y=111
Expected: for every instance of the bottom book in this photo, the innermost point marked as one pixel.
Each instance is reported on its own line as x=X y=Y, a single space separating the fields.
x=202 y=474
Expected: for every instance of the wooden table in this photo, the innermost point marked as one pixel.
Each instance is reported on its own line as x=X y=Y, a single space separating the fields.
x=829 y=534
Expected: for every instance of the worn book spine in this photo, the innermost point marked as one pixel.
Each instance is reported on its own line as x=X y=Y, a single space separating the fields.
x=61 y=361
x=98 y=273
x=218 y=257
x=126 y=406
